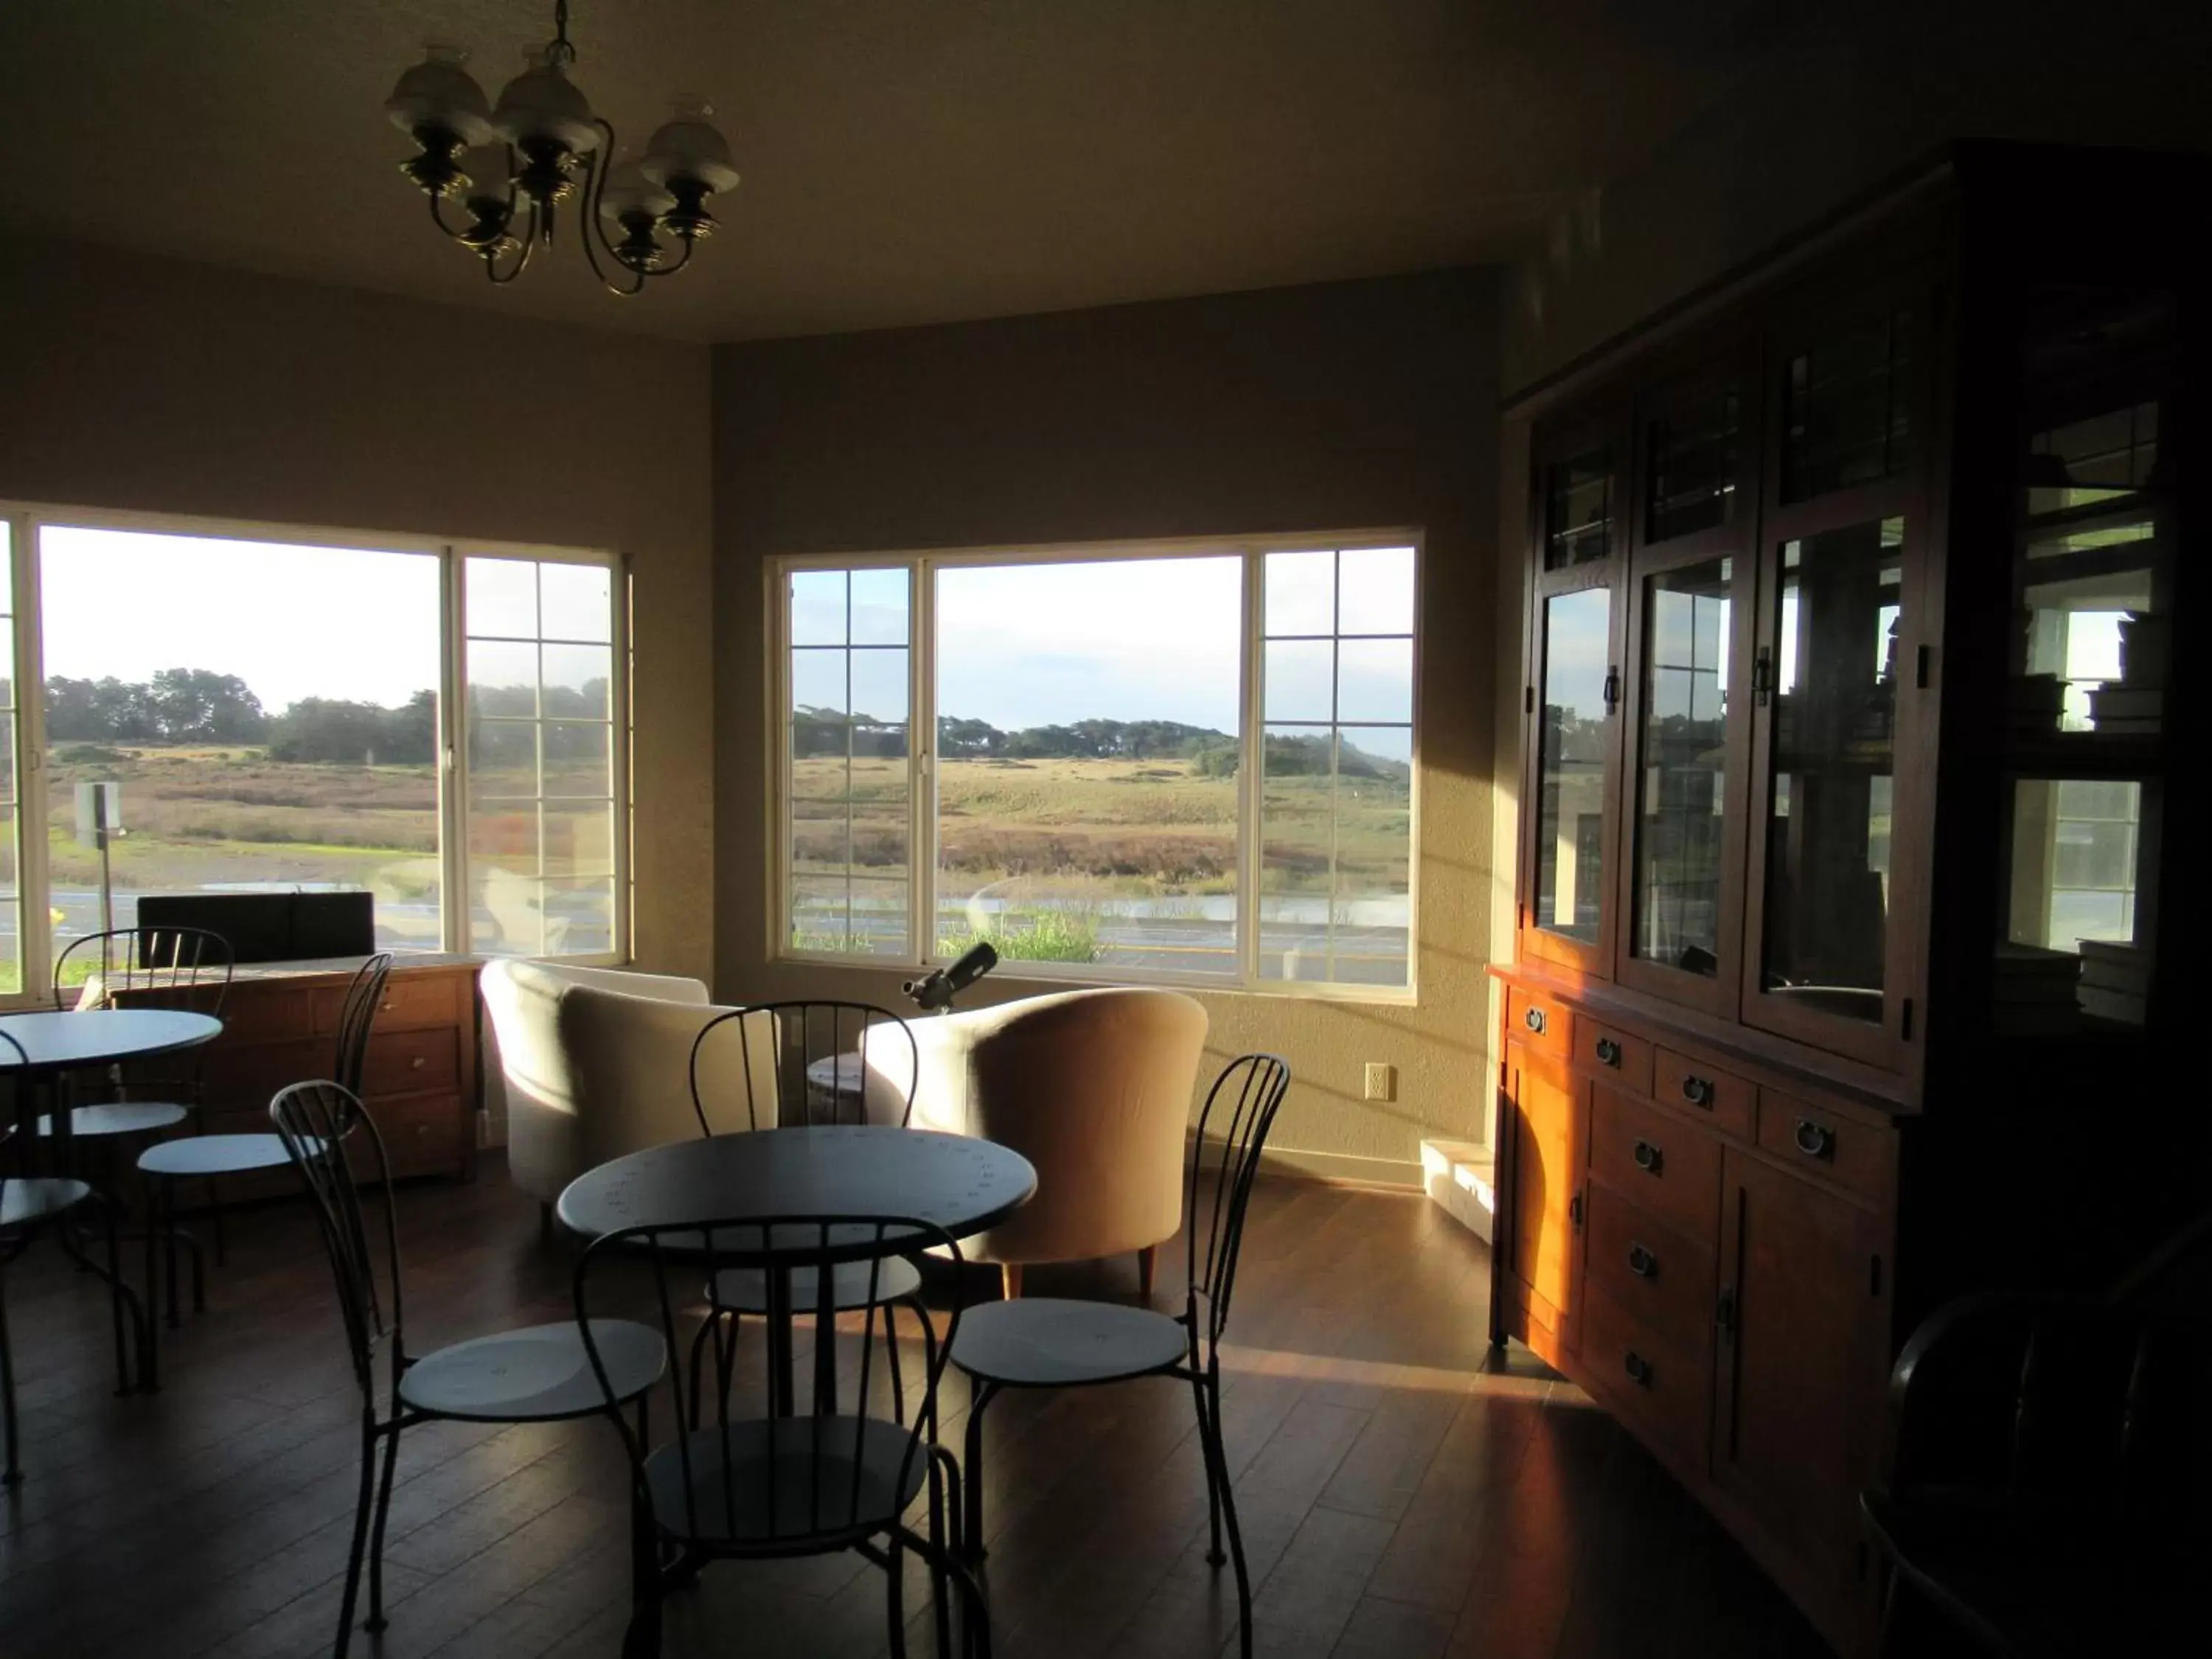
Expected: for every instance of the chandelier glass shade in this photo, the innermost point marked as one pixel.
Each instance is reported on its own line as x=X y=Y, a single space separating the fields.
x=497 y=174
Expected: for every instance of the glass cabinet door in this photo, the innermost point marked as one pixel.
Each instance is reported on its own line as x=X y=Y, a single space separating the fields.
x=1828 y=684
x=1679 y=862
x=1573 y=745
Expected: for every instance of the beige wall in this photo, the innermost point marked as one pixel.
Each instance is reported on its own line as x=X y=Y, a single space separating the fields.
x=1330 y=407
x=132 y=382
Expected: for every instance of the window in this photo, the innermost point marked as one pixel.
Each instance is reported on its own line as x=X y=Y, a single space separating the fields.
x=281 y=713
x=1186 y=763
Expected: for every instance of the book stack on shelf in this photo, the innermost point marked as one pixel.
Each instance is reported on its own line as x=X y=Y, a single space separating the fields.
x=2134 y=701
x=2033 y=992
x=2115 y=980
x=2037 y=702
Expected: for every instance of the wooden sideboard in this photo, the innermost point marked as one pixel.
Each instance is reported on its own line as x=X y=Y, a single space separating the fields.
x=419 y=1080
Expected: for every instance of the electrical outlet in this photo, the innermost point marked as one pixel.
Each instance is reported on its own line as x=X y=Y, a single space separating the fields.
x=1381 y=1080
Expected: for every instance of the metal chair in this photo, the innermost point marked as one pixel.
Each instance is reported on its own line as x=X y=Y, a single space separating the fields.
x=27 y=1203
x=195 y=1157
x=836 y=1474
x=826 y=1060
x=187 y=968
x=536 y=1375
x=1043 y=1342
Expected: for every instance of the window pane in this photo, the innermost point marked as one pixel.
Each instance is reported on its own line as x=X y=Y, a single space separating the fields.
x=579 y=838
x=1845 y=410
x=879 y=687
x=578 y=682
x=1301 y=593
x=502 y=598
x=1828 y=821
x=1377 y=591
x=579 y=758
x=817 y=683
x=576 y=601
x=1087 y=803
x=1375 y=680
x=502 y=678
x=11 y=944
x=269 y=711
x=1695 y=449
x=879 y=607
x=1571 y=765
x=579 y=917
x=1299 y=679
x=506 y=910
x=817 y=607
x=1578 y=510
x=502 y=760
x=849 y=916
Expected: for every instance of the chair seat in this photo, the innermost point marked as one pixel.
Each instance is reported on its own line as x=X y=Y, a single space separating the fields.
x=745 y=1290
x=537 y=1375
x=213 y=1155
x=120 y=1117
x=1044 y=1342
x=34 y=1198
x=771 y=1483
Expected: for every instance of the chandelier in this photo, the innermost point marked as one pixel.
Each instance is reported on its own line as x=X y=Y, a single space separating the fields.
x=540 y=146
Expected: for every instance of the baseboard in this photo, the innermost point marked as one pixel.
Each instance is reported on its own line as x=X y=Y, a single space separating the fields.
x=1330 y=1169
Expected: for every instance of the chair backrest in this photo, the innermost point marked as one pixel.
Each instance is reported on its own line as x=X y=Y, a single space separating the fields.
x=833 y=1062
x=187 y=968
x=1241 y=1108
x=751 y=1480
x=316 y=1122
x=364 y=999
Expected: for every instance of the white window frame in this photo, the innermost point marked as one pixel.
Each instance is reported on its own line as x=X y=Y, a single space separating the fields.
x=921 y=762
x=28 y=519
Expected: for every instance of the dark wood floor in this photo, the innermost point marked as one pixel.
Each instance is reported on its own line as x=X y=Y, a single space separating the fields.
x=1398 y=1504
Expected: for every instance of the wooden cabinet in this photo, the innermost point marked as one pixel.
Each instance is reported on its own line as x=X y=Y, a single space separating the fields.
x=1851 y=951
x=419 y=1078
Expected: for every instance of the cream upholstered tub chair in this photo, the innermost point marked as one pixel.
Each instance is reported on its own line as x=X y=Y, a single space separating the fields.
x=1094 y=1088
x=595 y=1062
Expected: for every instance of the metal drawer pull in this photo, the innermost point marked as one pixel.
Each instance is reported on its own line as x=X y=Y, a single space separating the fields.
x=1697 y=1090
x=1642 y=1262
x=1816 y=1140
x=417 y=1063
x=1608 y=1052
x=1534 y=1019
x=1639 y=1370
x=1648 y=1157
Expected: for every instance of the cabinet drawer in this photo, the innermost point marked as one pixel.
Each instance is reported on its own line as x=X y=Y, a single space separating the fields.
x=267 y=1013
x=1661 y=1274
x=1613 y=1055
x=1540 y=1023
x=409 y=999
x=1660 y=1163
x=1680 y=1081
x=1839 y=1149
x=244 y=1076
x=423 y=1136
x=1660 y=1381
x=411 y=1062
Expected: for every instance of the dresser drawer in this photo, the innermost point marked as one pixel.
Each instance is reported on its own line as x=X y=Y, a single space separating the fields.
x=1660 y=1381
x=1652 y=1268
x=263 y=1012
x=1613 y=1055
x=409 y=999
x=1842 y=1150
x=1680 y=1081
x=411 y=1062
x=244 y=1076
x=1538 y=1022
x=426 y=1135
x=1660 y=1163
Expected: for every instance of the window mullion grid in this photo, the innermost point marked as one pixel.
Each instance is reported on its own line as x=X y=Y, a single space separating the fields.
x=1251 y=802
x=33 y=899
x=1335 y=750
x=922 y=761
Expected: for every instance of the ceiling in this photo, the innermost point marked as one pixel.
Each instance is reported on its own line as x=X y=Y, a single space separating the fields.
x=905 y=161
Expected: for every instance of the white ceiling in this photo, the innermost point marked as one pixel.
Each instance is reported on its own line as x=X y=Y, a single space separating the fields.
x=905 y=161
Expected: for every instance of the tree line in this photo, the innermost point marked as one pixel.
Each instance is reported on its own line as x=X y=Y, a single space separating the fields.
x=197 y=706
x=824 y=732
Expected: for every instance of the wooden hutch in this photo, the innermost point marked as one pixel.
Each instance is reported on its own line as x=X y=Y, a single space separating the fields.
x=1852 y=903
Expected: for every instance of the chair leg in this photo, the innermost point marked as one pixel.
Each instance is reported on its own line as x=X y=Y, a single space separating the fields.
x=376 y=1621
x=215 y=1213
x=1213 y=1555
x=14 y=1470
x=971 y=1470
x=362 y=1504
x=1210 y=1432
x=707 y=1327
x=891 y=1362
x=169 y=1243
x=1010 y=1280
x=642 y=1637
x=894 y=1595
x=116 y=1293
x=1147 y=1260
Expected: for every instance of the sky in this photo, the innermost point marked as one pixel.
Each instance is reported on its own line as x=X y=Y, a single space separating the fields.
x=1024 y=645
x=292 y=621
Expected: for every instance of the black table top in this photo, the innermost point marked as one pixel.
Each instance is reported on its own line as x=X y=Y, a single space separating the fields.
x=961 y=1184
x=97 y=1037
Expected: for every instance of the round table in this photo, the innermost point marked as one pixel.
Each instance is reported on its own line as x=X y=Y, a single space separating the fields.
x=44 y=1046
x=961 y=1184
